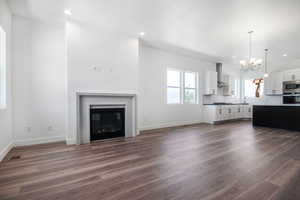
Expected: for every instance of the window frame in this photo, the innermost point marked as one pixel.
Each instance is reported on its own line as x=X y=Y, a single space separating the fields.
x=253 y=96
x=182 y=87
x=245 y=86
x=187 y=88
x=177 y=87
x=237 y=88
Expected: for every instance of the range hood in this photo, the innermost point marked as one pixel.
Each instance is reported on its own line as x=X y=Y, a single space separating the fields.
x=221 y=83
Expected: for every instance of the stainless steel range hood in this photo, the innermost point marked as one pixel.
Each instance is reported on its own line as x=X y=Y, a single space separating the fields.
x=221 y=83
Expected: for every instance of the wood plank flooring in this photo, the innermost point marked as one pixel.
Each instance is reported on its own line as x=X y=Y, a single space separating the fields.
x=209 y=162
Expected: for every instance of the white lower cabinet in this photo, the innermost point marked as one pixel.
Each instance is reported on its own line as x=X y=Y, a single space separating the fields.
x=239 y=112
x=217 y=113
x=247 y=111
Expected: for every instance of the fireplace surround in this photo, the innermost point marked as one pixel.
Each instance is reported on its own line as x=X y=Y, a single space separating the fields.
x=87 y=100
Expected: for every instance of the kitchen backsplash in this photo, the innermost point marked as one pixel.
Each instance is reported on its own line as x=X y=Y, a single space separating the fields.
x=219 y=98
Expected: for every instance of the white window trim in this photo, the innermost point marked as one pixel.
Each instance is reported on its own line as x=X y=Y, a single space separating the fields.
x=182 y=86
x=196 y=87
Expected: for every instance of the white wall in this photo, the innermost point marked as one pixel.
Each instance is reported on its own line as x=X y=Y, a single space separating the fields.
x=52 y=63
x=6 y=139
x=98 y=61
x=154 y=112
x=39 y=76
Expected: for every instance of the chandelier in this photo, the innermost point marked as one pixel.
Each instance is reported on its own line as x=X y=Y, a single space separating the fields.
x=252 y=64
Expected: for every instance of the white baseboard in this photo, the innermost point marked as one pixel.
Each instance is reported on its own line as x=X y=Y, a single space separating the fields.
x=70 y=141
x=39 y=141
x=167 y=125
x=5 y=151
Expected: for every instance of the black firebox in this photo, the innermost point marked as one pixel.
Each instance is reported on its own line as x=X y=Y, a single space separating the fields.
x=107 y=123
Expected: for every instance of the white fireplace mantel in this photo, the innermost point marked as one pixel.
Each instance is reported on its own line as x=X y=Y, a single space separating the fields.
x=84 y=100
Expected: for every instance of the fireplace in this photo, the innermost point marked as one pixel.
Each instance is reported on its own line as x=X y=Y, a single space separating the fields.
x=107 y=123
x=87 y=104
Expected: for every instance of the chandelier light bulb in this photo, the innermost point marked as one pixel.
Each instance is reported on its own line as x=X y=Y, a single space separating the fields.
x=252 y=61
x=266 y=75
x=243 y=62
x=259 y=61
x=68 y=12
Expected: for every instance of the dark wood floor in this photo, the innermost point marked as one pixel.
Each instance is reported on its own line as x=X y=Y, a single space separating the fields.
x=229 y=161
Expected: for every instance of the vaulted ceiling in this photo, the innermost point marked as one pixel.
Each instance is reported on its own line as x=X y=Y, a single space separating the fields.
x=214 y=27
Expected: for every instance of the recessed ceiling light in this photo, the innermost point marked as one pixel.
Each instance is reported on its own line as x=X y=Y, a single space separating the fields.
x=142 y=34
x=284 y=55
x=68 y=12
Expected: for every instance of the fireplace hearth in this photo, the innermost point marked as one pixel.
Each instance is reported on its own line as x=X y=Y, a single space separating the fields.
x=107 y=123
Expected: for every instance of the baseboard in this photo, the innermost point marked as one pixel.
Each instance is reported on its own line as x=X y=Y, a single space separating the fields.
x=39 y=141
x=5 y=151
x=168 y=125
x=70 y=141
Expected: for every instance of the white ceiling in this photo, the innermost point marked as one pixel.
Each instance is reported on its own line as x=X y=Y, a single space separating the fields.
x=214 y=27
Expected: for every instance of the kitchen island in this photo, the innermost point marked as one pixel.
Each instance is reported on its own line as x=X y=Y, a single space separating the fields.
x=277 y=116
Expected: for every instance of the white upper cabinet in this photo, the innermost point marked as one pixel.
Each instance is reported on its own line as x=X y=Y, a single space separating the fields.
x=211 y=83
x=291 y=75
x=273 y=84
x=229 y=90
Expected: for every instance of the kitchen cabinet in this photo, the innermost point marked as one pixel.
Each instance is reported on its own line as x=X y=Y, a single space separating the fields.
x=273 y=84
x=239 y=111
x=229 y=112
x=247 y=111
x=283 y=117
x=218 y=113
x=229 y=90
x=211 y=83
x=291 y=75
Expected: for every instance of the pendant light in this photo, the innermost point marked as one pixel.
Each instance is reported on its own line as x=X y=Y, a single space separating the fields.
x=266 y=75
x=252 y=64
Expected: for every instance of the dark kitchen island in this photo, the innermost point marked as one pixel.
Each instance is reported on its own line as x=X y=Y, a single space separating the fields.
x=277 y=116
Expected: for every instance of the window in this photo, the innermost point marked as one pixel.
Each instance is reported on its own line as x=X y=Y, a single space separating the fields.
x=190 y=87
x=174 y=87
x=250 y=88
x=2 y=68
x=237 y=88
x=181 y=87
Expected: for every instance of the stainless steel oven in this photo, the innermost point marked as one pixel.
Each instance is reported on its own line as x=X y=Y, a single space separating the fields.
x=291 y=99
x=291 y=92
x=291 y=87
